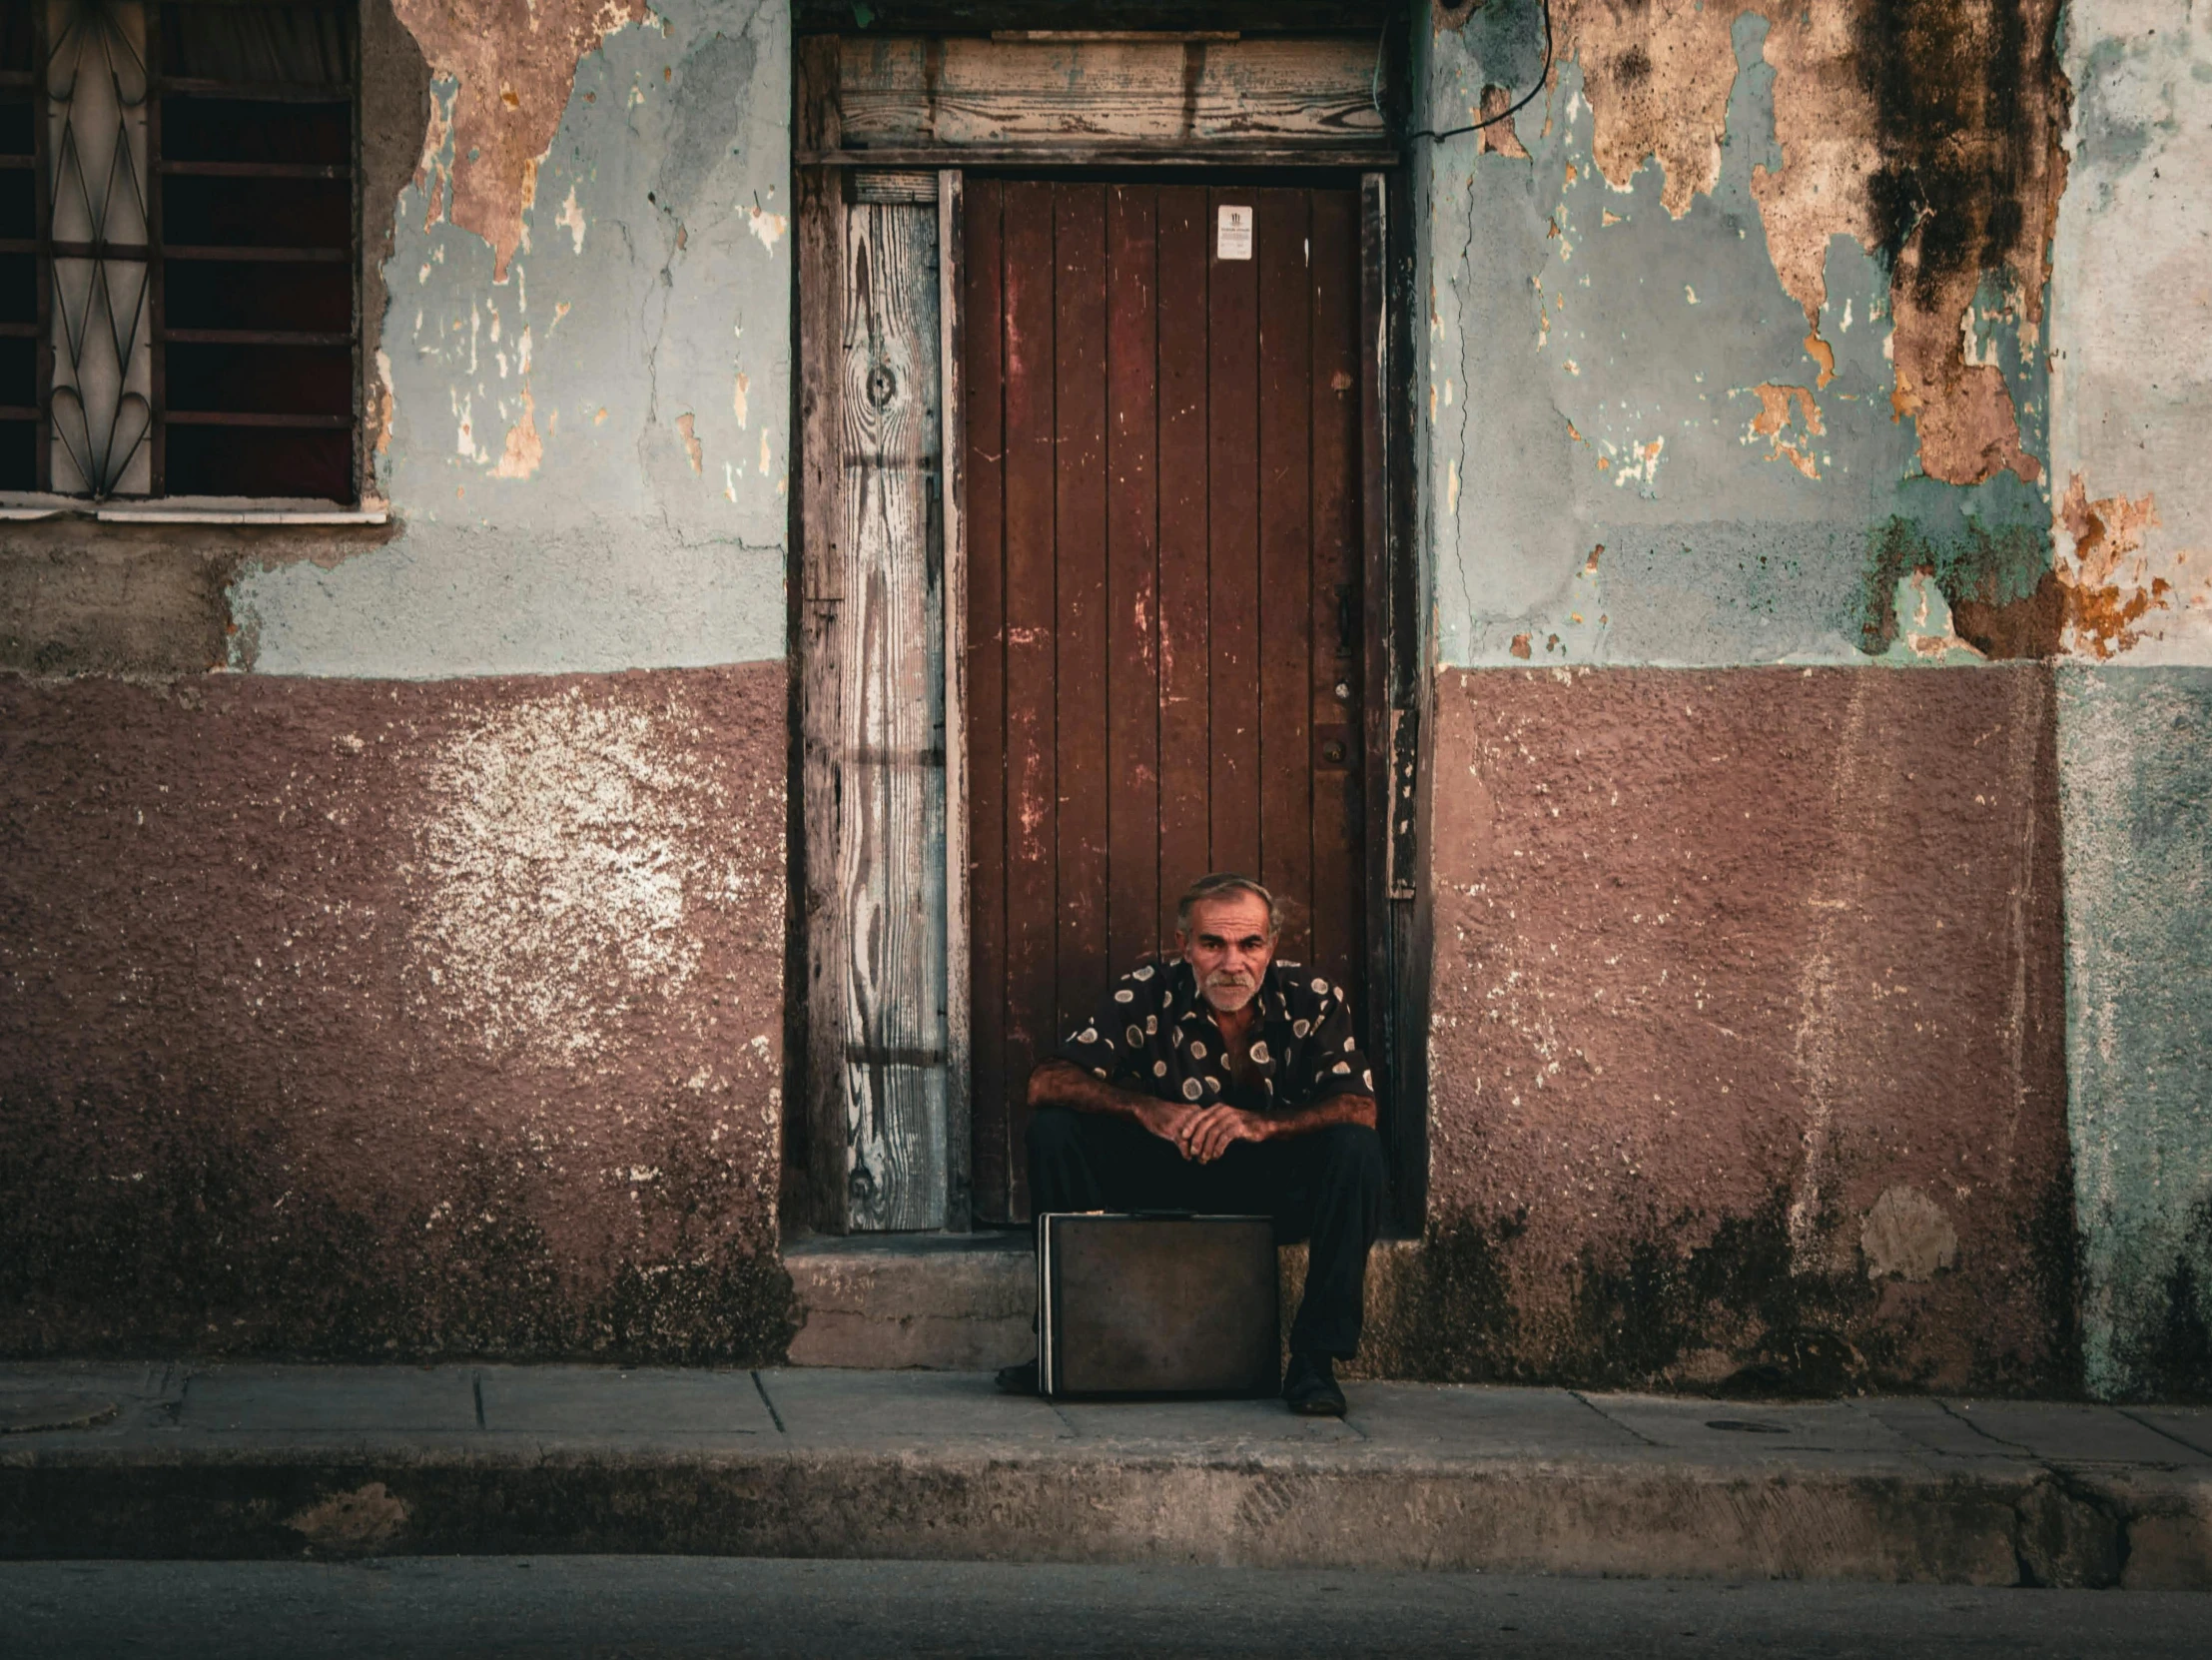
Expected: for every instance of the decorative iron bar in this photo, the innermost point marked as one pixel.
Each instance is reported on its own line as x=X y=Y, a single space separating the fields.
x=98 y=107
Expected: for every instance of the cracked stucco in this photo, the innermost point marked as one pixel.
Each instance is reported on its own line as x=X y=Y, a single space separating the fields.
x=586 y=452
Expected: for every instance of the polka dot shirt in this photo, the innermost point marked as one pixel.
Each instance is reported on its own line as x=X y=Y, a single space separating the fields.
x=1155 y=1032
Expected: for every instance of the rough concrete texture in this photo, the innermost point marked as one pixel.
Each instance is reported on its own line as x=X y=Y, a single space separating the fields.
x=1747 y=1034
x=2131 y=310
x=1736 y=326
x=583 y=375
x=945 y=1302
x=81 y=597
x=358 y=1019
x=332 y=1463
x=2137 y=811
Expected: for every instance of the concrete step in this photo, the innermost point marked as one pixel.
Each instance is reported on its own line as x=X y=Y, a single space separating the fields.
x=253 y=1461
x=945 y=1302
x=967 y=1302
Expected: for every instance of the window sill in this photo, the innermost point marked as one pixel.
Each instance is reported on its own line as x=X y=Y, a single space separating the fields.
x=235 y=515
x=186 y=510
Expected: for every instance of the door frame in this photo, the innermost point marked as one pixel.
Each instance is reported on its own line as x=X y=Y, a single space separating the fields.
x=1394 y=691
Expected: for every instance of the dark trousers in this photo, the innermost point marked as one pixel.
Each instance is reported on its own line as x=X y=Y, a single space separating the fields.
x=1326 y=1187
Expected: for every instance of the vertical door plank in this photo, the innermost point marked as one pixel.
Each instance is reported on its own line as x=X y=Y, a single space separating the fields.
x=952 y=357
x=1032 y=835
x=1340 y=908
x=1080 y=507
x=1233 y=540
x=984 y=330
x=1186 y=768
x=1132 y=574
x=891 y=766
x=1286 y=620
x=820 y=1128
x=1404 y=1131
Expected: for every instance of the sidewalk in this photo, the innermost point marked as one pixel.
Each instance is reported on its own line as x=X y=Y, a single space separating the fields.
x=284 y=1461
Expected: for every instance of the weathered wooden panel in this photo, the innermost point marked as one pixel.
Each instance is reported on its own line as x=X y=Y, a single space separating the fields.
x=1031 y=715
x=1132 y=574
x=1232 y=542
x=1338 y=646
x=952 y=355
x=908 y=91
x=1185 y=650
x=984 y=335
x=1080 y=589
x=1285 y=611
x=816 y=1133
x=891 y=848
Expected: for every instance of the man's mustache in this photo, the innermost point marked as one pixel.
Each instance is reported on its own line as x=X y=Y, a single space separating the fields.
x=1226 y=977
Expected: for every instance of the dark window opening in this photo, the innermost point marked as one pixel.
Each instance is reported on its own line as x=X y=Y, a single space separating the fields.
x=20 y=315
x=179 y=260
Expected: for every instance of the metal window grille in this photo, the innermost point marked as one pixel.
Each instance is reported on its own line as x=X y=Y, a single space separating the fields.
x=178 y=252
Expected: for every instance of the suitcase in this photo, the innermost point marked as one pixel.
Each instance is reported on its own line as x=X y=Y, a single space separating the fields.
x=1156 y=1305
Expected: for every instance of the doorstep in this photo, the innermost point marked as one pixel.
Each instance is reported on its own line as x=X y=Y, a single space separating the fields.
x=968 y=1301
x=886 y=1302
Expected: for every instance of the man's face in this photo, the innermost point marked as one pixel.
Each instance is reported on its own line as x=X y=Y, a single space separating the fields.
x=1228 y=948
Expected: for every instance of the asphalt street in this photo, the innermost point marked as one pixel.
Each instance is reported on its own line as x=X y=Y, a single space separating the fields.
x=643 y=1608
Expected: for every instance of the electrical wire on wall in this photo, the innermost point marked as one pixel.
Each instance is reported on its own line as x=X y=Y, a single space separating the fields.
x=1543 y=79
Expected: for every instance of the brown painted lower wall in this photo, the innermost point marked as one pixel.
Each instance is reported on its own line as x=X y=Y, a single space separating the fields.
x=1747 y=1033
x=364 y=1018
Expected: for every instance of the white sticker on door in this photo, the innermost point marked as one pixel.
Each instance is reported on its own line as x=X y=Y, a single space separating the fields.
x=1233 y=239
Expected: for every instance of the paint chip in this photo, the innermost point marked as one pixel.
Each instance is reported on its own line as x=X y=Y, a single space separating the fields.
x=768 y=227
x=572 y=217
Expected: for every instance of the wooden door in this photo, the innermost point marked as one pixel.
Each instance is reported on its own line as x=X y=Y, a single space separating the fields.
x=1164 y=642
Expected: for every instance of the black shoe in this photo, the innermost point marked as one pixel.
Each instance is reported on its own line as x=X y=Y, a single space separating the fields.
x=1309 y=1388
x=1017 y=1380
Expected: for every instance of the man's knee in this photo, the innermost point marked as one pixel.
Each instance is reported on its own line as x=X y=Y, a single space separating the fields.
x=1052 y=1130
x=1352 y=1153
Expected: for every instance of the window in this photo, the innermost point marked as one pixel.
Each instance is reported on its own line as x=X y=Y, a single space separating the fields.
x=178 y=263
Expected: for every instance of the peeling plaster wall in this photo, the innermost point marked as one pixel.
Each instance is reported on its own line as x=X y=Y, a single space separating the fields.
x=2132 y=315
x=584 y=357
x=342 y=1018
x=1719 y=353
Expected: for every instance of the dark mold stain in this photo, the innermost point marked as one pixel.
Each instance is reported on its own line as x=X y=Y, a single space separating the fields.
x=207 y=1250
x=1962 y=96
x=1452 y=1319
x=1636 y=1320
x=2004 y=599
x=2170 y=1357
x=1640 y=1313
x=2026 y=628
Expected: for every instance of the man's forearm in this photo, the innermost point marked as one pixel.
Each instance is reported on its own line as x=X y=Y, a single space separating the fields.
x=1324 y=1114
x=1062 y=1084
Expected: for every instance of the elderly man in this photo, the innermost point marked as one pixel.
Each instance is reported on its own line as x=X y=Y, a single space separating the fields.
x=1231 y=1083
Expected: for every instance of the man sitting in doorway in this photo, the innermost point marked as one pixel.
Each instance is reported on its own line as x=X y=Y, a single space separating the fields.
x=1224 y=1081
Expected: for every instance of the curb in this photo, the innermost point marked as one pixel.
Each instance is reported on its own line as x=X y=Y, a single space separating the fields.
x=2020 y=1527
